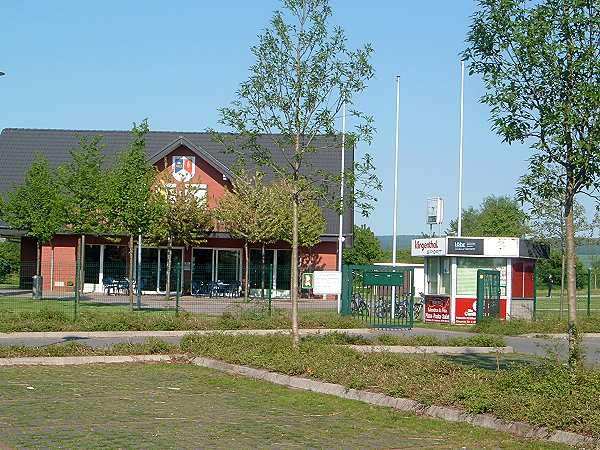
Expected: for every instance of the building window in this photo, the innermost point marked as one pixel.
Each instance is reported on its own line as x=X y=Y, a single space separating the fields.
x=438 y=275
x=466 y=274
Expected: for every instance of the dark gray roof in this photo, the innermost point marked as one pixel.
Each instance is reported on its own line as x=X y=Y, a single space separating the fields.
x=19 y=146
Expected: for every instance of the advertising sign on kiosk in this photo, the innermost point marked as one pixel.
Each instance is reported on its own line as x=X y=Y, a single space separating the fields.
x=453 y=265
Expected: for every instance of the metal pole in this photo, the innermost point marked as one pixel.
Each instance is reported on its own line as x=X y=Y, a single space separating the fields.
x=342 y=169
x=178 y=269
x=139 y=273
x=395 y=228
x=76 y=286
x=460 y=150
x=270 y=286
x=589 y=292
x=534 y=290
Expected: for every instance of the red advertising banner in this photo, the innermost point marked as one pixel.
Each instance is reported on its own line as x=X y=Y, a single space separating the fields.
x=437 y=309
x=466 y=311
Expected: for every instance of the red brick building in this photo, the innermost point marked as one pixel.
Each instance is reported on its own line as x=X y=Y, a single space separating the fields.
x=205 y=164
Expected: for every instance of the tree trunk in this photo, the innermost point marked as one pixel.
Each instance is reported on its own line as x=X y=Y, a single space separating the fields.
x=294 y=274
x=130 y=274
x=571 y=263
x=169 y=260
x=38 y=262
x=247 y=270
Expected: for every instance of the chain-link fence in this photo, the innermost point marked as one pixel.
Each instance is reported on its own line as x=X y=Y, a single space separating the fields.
x=552 y=302
x=193 y=288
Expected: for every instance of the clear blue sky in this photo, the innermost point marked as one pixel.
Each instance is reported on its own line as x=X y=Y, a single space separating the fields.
x=103 y=65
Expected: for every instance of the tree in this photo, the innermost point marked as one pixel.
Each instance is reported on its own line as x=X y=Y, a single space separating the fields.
x=553 y=266
x=131 y=203
x=10 y=258
x=302 y=76
x=541 y=67
x=548 y=225
x=250 y=212
x=497 y=216
x=36 y=206
x=311 y=223
x=180 y=218
x=366 y=248
x=82 y=184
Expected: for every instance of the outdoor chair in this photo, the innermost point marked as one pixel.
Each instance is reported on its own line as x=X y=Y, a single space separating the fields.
x=233 y=289
x=200 y=288
x=124 y=286
x=109 y=285
x=214 y=289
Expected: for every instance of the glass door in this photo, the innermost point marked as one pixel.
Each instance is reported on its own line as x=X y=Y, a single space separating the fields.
x=176 y=266
x=228 y=266
x=149 y=279
x=202 y=268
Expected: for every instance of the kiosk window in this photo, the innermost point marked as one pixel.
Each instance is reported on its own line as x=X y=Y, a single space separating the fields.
x=438 y=275
x=466 y=273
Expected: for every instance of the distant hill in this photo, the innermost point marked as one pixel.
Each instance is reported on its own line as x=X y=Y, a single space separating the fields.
x=402 y=241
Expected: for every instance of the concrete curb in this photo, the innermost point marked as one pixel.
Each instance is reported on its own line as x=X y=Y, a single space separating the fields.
x=518 y=429
x=80 y=360
x=178 y=333
x=436 y=350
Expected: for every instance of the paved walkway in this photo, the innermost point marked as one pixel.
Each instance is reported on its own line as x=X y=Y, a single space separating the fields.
x=535 y=346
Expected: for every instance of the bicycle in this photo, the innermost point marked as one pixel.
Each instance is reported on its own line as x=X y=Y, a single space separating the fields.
x=358 y=305
x=383 y=308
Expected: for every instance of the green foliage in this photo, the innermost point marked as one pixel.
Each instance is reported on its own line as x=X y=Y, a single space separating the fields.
x=180 y=217
x=311 y=222
x=542 y=394
x=540 y=62
x=131 y=205
x=366 y=248
x=548 y=222
x=48 y=316
x=249 y=210
x=553 y=266
x=302 y=76
x=37 y=206
x=82 y=183
x=497 y=216
x=151 y=346
x=10 y=258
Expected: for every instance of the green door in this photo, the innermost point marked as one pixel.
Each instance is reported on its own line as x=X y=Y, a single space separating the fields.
x=380 y=295
x=488 y=294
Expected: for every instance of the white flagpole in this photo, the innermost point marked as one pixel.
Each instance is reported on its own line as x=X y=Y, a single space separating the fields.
x=460 y=151
x=342 y=169
x=395 y=227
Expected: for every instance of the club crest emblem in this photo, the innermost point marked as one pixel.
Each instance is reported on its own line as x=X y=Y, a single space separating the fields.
x=184 y=167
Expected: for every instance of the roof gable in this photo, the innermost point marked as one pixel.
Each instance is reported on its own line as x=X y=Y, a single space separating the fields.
x=183 y=141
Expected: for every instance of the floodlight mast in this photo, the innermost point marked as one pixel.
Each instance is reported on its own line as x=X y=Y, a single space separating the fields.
x=460 y=149
x=395 y=225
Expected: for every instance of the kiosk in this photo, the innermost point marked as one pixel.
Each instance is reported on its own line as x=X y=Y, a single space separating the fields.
x=469 y=279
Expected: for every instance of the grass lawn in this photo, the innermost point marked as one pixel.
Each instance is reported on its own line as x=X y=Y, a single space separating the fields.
x=57 y=315
x=177 y=406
